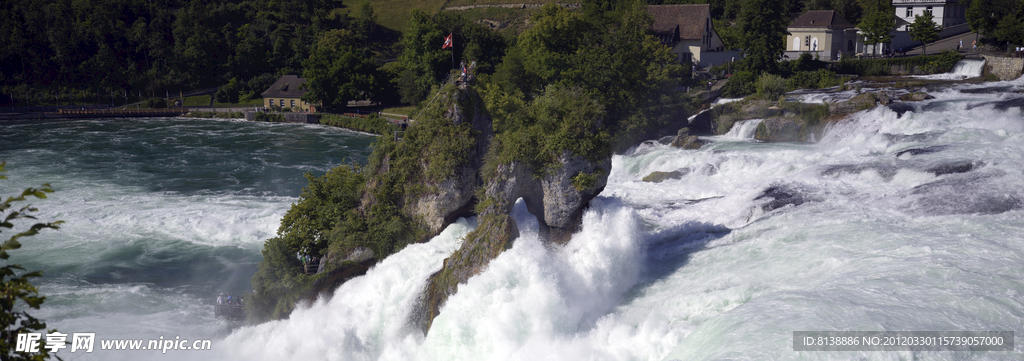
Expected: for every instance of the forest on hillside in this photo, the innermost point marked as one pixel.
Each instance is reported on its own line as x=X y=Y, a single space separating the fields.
x=95 y=50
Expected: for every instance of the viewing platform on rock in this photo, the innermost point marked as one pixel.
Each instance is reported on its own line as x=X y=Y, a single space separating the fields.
x=231 y=312
x=312 y=267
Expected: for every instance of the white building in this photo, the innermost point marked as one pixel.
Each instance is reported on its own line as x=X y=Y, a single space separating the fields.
x=946 y=13
x=950 y=15
x=824 y=33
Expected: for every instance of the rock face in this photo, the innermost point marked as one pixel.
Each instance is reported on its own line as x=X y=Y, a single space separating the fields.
x=554 y=198
x=437 y=203
x=453 y=197
x=684 y=140
x=862 y=101
x=781 y=130
x=916 y=97
x=556 y=195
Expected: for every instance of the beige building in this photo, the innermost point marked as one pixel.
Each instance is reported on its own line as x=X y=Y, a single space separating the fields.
x=287 y=93
x=688 y=30
x=824 y=33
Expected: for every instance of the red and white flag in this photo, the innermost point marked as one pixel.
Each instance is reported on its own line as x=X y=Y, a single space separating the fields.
x=447 y=41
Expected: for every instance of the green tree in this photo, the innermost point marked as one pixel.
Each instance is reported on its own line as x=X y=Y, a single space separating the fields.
x=425 y=65
x=764 y=24
x=925 y=30
x=1010 y=29
x=337 y=72
x=424 y=62
x=325 y=203
x=878 y=25
x=16 y=290
x=981 y=16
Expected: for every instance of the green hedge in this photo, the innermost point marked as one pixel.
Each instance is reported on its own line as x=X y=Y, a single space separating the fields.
x=931 y=64
x=370 y=124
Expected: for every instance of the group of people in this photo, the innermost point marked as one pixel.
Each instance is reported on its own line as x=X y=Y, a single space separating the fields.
x=308 y=260
x=229 y=300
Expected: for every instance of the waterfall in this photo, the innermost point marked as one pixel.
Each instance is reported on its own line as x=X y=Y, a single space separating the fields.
x=970 y=68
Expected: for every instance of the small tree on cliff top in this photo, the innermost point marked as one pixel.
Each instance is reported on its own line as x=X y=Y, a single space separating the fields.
x=16 y=291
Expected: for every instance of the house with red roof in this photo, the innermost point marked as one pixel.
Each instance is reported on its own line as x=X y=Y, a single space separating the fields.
x=688 y=30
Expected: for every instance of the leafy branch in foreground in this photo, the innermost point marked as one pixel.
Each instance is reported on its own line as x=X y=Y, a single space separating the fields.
x=14 y=287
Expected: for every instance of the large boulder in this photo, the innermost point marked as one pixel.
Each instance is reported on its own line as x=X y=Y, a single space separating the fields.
x=862 y=101
x=658 y=177
x=781 y=130
x=684 y=140
x=916 y=97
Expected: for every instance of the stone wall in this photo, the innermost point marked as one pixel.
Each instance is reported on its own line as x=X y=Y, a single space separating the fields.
x=290 y=117
x=1003 y=67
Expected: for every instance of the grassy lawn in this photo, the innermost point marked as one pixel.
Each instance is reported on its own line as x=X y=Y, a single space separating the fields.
x=394 y=14
x=247 y=103
x=407 y=111
x=454 y=3
x=513 y=20
x=196 y=101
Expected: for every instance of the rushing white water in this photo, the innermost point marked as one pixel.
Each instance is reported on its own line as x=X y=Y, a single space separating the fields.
x=893 y=221
x=160 y=215
x=743 y=130
x=969 y=67
x=902 y=218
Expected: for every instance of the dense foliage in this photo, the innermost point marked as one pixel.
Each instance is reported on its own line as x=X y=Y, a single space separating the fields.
x=764 y=24
x=942 y=62
x=153 y=47
x=424 y=64
x=878 y=25
x=17 y=294
x=613 y=61
x=998 y=19
x=338 y=72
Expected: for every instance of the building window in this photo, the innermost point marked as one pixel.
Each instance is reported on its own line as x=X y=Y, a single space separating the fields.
x=271 y=102
x=928 y=10
x=910 y=12
x=293 y=103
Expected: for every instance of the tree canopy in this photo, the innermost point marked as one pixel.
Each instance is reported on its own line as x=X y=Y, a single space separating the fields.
x=878 y=24
x=337 y=71
x=924 y=29
x=133 y=46
x=764 y=24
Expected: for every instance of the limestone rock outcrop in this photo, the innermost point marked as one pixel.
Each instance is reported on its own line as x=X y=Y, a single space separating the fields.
x=557 y=198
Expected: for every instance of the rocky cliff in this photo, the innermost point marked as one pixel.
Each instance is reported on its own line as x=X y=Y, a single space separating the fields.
x=555 y=193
